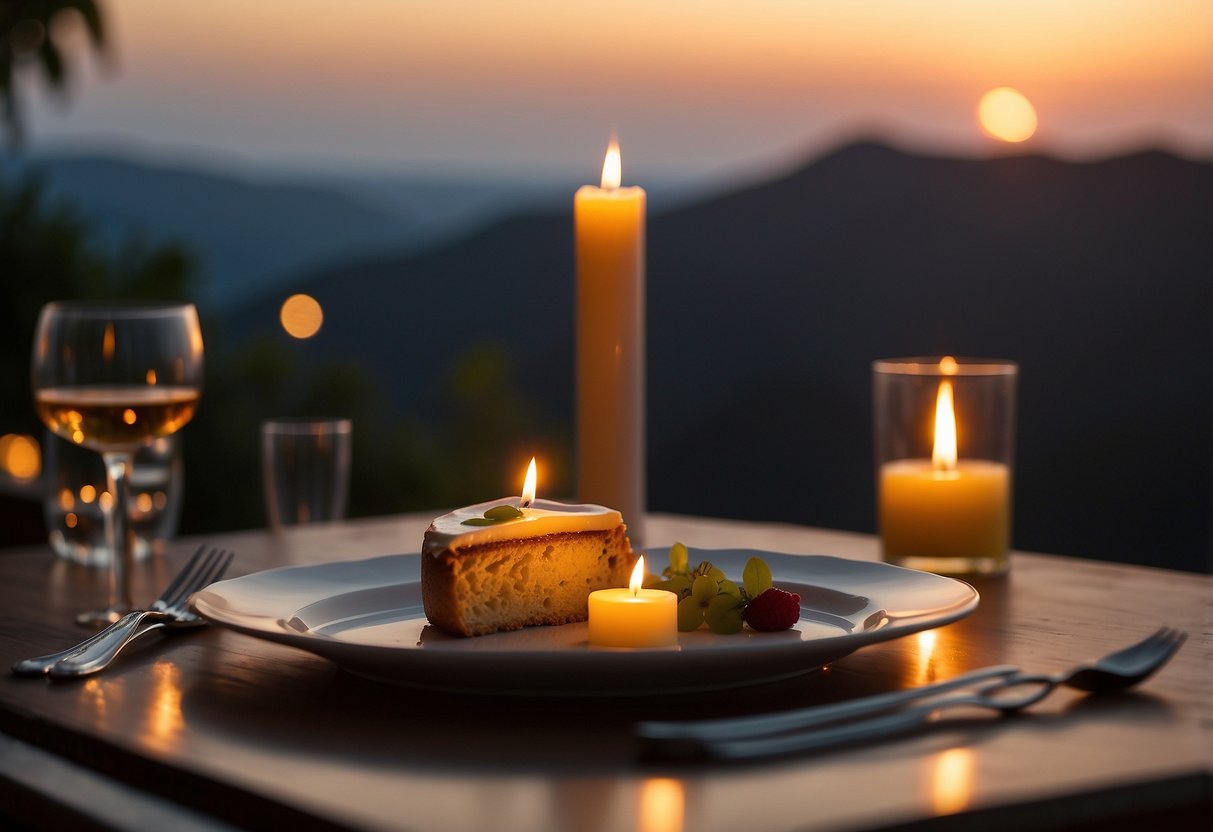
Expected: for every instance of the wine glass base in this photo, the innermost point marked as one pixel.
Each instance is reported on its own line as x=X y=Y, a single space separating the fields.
x=96 y=619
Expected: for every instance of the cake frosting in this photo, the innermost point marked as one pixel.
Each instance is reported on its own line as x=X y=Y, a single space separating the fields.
x=543 y=517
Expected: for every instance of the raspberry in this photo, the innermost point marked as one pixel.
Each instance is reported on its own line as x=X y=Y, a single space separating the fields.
x=774 y=609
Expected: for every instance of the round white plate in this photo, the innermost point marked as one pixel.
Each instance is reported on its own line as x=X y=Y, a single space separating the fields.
x=367 y=617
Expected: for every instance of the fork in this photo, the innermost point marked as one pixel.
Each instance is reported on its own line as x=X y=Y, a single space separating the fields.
x=750 y=736
x=169 y=610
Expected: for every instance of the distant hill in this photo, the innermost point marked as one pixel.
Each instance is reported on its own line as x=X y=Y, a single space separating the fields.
x=245 y=234
x=251 y=236
x=767 y=305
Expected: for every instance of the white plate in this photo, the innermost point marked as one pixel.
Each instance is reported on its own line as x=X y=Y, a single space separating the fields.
x=367 y=617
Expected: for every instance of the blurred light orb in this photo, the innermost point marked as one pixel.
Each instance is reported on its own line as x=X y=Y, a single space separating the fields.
x=1007 y=115
x=301 y=316
x=20 y=456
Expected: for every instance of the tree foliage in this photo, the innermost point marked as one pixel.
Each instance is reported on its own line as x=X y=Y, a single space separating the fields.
x=31 y=32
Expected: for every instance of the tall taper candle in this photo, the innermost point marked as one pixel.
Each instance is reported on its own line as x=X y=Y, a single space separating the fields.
x=609 y=225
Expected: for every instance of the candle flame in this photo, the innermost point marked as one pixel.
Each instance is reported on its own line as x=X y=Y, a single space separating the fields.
x=612 y=166
x=528 y=486
x=943 y=455
x=637 y=580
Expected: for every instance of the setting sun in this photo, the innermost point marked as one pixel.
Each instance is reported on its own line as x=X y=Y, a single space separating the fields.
x=1006 y=114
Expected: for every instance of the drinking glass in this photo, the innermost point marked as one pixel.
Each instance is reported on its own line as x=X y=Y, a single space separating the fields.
x=305 y=470
x=114 y=377
x=76 y=499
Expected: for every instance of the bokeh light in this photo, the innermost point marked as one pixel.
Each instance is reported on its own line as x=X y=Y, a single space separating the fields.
x=301 y=316
x=20 y=456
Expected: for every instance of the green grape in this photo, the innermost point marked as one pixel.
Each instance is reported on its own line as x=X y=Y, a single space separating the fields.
x=724 y=615
x=690 y=615
x=704 y=589
x=730 y=588
x=711 y=571
x=679 y=559
x=680 y=585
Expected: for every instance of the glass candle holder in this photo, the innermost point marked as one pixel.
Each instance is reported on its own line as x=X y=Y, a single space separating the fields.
x=945 y=442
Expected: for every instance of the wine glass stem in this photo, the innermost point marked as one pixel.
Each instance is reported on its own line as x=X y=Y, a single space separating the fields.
x=117 y=467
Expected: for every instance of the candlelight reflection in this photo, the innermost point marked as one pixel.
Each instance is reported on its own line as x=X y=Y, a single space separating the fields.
x=662 y=805
x=926 y=655
x=164 y=718
x=951 y=780
x=939 y=655
x=96 y=697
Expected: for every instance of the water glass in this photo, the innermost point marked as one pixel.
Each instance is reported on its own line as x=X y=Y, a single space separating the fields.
x=305 y=465
x=77 y=499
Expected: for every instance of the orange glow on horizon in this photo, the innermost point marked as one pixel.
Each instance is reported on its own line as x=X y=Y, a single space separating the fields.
x=697 y=84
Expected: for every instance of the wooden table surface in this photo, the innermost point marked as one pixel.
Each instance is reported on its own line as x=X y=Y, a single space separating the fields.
x=217 y=729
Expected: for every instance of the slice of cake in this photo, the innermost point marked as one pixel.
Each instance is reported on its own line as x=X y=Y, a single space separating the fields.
x=480 y=575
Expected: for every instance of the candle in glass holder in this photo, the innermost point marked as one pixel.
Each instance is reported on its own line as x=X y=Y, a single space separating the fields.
x=945 y=513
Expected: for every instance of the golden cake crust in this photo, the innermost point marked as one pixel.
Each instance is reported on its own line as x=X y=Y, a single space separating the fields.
x=511 y=584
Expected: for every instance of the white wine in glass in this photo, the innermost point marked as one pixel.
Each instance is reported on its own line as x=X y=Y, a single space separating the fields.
x=113 y=377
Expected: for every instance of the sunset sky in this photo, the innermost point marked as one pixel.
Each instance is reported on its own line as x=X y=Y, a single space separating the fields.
x=694 y=87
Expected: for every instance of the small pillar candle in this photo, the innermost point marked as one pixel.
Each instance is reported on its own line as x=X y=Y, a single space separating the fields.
x=633 y=617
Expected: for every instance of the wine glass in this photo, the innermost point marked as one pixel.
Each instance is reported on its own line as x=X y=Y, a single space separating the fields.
x=113 y=377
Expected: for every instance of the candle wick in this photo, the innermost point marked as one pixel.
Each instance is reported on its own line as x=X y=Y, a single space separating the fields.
x=523 y=503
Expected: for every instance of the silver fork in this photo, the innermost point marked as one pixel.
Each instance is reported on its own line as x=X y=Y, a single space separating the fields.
x=745 y=737
x=169 y=610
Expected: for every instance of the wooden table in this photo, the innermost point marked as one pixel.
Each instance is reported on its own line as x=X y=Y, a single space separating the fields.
x=217 y=729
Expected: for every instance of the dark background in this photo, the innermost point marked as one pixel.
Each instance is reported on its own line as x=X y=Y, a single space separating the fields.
x=766 y=307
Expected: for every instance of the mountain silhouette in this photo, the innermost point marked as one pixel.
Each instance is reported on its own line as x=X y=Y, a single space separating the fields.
x=767 y=305
x=244 y=233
